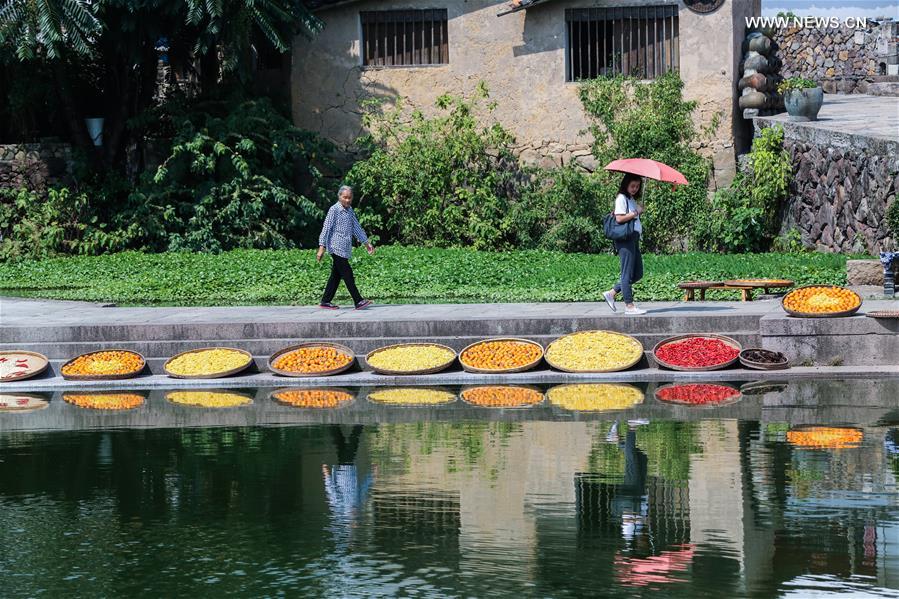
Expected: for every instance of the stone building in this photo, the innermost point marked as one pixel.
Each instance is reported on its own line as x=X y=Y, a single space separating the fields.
x=530 y=54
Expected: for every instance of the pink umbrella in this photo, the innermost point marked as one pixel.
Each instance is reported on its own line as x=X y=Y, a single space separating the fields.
x=648 y=168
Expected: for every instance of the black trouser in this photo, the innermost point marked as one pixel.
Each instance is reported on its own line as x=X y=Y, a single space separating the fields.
x=631 y=266
x=341 y=269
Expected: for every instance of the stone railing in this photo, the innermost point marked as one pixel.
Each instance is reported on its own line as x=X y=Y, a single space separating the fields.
x=35 y=166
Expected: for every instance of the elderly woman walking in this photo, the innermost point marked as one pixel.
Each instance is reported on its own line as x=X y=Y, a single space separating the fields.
x=340 y=226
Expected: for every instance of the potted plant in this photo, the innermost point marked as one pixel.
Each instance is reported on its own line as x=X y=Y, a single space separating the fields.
x=802 y=98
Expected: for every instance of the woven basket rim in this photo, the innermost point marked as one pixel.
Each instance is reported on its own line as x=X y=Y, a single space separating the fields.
x=760 y=365
x=104 y=377
x=339 y=346
x=619 y=369
x=728 y=340
x=214 y=375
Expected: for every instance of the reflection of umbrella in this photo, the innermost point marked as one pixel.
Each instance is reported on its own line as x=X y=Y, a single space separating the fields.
x=647 y=168
x=653 y=569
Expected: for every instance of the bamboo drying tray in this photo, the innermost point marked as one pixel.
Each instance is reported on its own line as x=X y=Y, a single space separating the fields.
x=340 y=348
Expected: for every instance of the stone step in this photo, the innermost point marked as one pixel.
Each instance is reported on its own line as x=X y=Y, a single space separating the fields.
x=265 y=347
x=342 y=329
x=884 y=89
x=852 y=341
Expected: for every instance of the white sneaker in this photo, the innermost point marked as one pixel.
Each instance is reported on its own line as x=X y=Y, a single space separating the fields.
x=610 y=299
x=635 y=311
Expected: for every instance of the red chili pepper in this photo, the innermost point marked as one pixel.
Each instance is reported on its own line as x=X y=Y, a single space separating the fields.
x=697 y=394
x=697 y=352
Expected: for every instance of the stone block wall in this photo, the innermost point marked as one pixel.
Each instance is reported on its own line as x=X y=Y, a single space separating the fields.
x=840 y=191
x=842 y=60
x=35 y=166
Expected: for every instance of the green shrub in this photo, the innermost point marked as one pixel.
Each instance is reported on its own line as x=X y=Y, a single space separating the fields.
x=744 y=217
x=34 y=227
x=892 y=218
x=652 y=120
x=238 y=175
x=438 y=182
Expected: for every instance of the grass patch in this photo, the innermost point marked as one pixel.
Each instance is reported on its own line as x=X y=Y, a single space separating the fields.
x=393 y=275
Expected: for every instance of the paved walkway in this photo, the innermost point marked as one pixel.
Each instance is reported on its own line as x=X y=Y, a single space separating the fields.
x=17 y=312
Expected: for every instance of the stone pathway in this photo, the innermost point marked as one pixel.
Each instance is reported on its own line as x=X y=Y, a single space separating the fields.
x=851 y=115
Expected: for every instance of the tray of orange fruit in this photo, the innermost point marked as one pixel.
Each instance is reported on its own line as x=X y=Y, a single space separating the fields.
x=821 y=301
x=312 y=359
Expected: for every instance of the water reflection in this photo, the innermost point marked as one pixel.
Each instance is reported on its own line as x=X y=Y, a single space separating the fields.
x=715 y=507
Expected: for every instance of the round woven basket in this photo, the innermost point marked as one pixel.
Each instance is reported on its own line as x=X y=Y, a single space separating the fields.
x=431 y=370
x=883 y=314
x=630 y=364
x=849 y=312
x=671 y=402
x=762 y=387
x=761 y=365
x=214 y=375
x=341 y=348
x=352 y=397
x=103 y=377
x=41 y=365
x=556 y=403
x=521 y=407
x=67 y=395
x=528 y=366
x=727 y=340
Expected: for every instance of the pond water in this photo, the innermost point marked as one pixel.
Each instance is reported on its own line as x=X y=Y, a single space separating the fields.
x=788 y=491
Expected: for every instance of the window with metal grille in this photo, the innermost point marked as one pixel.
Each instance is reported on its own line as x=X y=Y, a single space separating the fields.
x=640 y=41
x=397 y=38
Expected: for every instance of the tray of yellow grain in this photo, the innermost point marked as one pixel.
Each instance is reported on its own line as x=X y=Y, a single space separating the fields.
x=208 y=398
x=411 y=358
x=208 y=363
x=411 y=396
x=594 y=351
x=595 y=397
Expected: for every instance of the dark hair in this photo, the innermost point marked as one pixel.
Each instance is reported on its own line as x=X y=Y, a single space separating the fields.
x=628 y=178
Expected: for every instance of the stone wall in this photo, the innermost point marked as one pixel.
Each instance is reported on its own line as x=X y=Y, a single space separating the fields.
x=35 y=166
x=521 y=58
x=842 y=60
x=842 y=186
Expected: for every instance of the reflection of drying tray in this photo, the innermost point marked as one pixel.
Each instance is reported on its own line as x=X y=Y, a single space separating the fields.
x=21 y=403
x=347 y=397
x=193 y=398
x=535 y=393
x=677 y=402
x=762 y=387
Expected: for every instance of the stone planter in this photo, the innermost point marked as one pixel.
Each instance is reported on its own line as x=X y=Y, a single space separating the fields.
x=804 y=104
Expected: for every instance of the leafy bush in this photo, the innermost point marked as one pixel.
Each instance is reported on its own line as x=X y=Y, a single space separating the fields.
x=441 y=181
x=35 y=227
x=230 y=181
x=562 y=209
x=744 y=217
x=652 y=120
x=892 y=218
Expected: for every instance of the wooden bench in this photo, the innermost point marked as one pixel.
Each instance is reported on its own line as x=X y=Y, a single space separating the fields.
x=745 y=288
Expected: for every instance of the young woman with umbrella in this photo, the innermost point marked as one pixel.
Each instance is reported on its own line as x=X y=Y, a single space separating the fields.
x=628 y=208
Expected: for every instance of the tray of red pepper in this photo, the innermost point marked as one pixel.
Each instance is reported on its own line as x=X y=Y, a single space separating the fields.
x=697 y=353
x=708 y=395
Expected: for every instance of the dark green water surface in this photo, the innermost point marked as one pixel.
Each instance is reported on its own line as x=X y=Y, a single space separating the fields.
x=456 y=501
